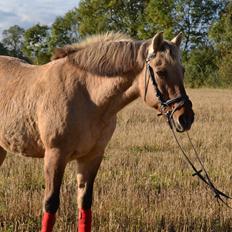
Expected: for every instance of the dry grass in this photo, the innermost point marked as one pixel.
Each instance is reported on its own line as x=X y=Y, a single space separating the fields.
x=143 y=184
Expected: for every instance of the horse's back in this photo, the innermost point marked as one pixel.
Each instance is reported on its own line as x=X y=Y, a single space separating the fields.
x=7 y=62
x=12 y=69
x=16 y=80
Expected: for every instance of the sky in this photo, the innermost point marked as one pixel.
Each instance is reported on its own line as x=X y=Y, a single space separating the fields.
x=26 y=13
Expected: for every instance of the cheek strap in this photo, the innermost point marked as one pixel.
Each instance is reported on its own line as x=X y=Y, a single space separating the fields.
x=159 y=95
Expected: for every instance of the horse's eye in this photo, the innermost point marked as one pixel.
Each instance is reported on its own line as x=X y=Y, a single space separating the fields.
x=162 y=73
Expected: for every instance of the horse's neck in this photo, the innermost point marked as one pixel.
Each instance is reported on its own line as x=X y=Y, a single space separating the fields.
x=112 y=94
x=120 y=100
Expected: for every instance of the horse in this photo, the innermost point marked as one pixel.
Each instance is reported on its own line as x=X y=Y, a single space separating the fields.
x=66 y=110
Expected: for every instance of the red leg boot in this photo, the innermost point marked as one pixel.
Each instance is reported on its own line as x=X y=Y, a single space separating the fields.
x=48 y=222
x=84 y=220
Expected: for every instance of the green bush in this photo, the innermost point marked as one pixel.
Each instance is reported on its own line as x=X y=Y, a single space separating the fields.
x=201 y=68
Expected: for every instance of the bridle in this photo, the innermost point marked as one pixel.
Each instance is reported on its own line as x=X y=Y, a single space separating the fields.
x=181 y=100
x=165 y=105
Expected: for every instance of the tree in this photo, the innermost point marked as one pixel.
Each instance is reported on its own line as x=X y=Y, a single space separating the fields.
x=194 y=18
x=221 y=31
x=95 y=16
x=36 y=41
x=142 y=19
x=158 y=17
x=200 y=56
x=3 y=50
x=201 y=68
x=221 y=34
x=13 y=40
x=64 y=30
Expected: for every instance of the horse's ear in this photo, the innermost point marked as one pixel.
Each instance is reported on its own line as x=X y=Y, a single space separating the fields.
x=177 y=40
x=156 y=42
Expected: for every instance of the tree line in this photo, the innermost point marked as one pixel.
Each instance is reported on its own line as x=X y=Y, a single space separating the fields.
x=206 y=24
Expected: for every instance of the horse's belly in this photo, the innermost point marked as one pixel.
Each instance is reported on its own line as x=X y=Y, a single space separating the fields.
x=22 y=145
x=17 y=138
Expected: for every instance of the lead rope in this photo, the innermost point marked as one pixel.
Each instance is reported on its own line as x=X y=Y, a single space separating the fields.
x=205 y=178
x=146 y=83
x=220 y=196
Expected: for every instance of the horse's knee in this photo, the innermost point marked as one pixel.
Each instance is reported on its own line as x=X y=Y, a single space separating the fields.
x=2 y=155
x=87 y=170
x=85 y=195
x=51 y=203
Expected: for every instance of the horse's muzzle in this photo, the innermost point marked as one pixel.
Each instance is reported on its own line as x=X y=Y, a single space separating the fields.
x=183 y=119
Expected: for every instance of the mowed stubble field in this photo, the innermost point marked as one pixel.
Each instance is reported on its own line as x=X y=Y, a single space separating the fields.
x=144 y=184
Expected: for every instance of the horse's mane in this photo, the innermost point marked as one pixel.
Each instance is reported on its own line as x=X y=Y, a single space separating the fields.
x=112 y=54
x=107 y=54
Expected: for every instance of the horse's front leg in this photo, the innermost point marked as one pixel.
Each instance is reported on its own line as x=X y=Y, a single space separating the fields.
x=54 y=166
x=86 y=172
x=2 y=155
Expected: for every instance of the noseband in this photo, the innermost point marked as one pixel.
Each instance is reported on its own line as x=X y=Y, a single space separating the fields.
x=181 y=100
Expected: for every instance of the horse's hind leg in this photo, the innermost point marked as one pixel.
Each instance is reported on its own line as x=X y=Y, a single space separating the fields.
x=54 y=166
x=2 y=155
x=86 y=173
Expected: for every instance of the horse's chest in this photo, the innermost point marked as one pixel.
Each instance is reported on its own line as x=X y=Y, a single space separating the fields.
x=95 y=139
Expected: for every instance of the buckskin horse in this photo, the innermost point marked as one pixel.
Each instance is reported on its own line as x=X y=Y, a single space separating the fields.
x=66 y=109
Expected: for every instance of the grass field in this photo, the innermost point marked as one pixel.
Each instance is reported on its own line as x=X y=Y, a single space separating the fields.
x=144 y=184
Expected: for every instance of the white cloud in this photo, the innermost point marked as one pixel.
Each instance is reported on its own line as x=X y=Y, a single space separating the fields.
x=25 y=13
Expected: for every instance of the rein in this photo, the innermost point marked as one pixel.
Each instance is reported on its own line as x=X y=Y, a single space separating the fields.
x=219 y=195
x=202 y=173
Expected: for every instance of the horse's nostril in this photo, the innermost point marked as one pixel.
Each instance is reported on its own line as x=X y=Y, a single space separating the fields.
x=192 y=119
x=183 y=121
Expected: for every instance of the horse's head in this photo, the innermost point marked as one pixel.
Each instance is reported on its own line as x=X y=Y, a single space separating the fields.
x=162 y=85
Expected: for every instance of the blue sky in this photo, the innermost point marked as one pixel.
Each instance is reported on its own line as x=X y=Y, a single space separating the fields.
x=26 y=13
